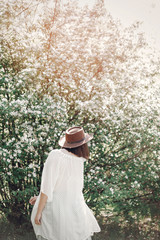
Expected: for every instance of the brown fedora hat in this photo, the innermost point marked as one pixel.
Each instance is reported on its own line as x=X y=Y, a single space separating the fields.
x=74 y=137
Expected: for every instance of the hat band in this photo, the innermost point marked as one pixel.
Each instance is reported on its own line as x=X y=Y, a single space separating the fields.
x=76 y=141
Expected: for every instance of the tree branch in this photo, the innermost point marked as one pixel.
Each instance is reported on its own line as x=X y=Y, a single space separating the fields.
x=30 y=5
x=127 y=160
x=131 y=198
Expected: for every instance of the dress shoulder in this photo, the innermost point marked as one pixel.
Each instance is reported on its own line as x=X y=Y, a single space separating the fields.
x=52 y=155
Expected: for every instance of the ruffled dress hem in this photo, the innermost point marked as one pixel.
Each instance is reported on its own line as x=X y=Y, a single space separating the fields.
x=85 y=238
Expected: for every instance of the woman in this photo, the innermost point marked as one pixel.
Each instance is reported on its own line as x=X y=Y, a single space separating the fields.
x=60 y=211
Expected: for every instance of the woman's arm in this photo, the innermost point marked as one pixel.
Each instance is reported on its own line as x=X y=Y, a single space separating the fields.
x=41 y=205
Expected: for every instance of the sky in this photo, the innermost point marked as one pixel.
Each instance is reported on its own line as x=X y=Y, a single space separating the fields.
x=129 y=11
x=147 y=11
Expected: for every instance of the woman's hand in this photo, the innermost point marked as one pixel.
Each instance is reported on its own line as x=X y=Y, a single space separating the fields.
x=38 y=218
x=33 y=200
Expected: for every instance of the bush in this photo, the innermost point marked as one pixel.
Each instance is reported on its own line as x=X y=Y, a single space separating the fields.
x=55 y=75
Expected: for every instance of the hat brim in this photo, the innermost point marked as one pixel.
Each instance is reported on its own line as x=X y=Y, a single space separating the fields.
x=63 y=143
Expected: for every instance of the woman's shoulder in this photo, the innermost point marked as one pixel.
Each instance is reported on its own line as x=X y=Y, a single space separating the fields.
x=53 y=155
x=54 y=151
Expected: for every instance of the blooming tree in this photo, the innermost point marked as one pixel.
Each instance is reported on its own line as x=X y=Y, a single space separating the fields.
x=63 y=65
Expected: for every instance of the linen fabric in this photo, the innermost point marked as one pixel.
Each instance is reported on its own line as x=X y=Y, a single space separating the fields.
x=65 y=216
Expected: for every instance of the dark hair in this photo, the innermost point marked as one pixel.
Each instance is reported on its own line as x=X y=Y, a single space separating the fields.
x=81 y=151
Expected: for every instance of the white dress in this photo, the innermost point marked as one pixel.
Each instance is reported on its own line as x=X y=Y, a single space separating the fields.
x=65 y=216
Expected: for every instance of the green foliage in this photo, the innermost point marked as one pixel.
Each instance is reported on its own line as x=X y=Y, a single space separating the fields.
x=76 y=66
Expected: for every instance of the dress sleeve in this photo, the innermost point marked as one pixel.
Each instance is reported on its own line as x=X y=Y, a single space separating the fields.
x=50 y=175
